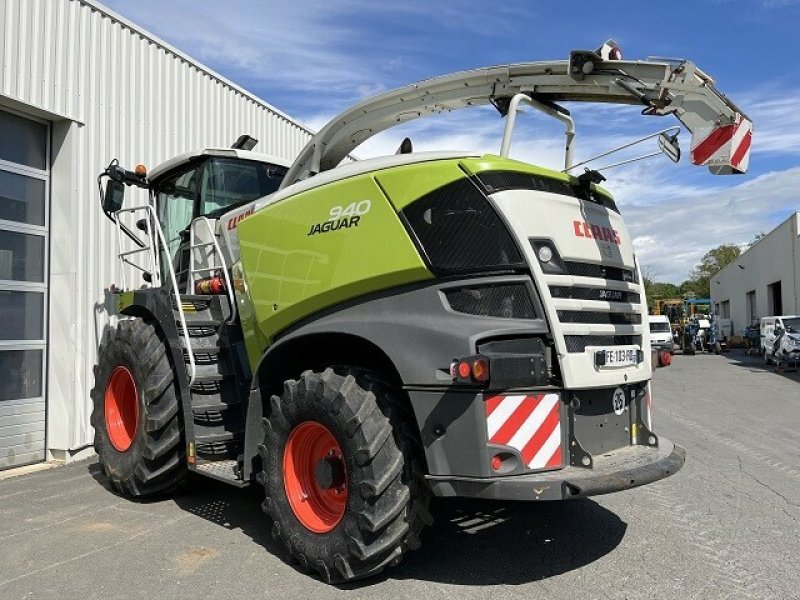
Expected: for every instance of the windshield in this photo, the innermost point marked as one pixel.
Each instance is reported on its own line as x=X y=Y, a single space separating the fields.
x=659 y=327
x=792 y=325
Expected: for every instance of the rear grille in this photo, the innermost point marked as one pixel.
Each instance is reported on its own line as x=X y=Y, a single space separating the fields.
x=580 y=269
x=578 y=343
x=596 y=317
x=583 y=293
x=497 y=181
x=510 y=301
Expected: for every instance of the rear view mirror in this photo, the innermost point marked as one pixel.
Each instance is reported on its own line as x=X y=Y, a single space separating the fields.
x=668 y=144
x=113 y=196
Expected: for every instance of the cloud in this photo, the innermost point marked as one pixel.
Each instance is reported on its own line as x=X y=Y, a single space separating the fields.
x=316 y=51
x=315 y=58
x=671 y=237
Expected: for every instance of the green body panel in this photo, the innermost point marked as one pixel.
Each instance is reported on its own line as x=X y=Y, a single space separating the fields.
x=254 y=339
x=490 y=162
x=292 y=267
x=124 y=300
x=408 y=183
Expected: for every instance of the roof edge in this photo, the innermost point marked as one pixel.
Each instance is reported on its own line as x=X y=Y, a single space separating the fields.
x=102 y=8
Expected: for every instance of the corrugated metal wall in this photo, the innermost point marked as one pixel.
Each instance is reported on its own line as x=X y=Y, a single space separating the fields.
x=111 y=90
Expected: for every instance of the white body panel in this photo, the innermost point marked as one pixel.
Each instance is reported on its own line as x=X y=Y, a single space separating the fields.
x=533 y=214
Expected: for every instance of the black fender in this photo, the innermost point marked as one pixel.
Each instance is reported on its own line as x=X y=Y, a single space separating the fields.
x=410 y=335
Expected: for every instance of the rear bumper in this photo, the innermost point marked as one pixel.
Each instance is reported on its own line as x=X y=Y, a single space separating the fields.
x=615 y=471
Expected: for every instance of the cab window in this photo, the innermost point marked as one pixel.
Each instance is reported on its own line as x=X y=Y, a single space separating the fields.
x=176 y=200
x=228 y=183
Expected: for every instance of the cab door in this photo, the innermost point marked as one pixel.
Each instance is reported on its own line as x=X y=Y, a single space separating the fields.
x=176 y=201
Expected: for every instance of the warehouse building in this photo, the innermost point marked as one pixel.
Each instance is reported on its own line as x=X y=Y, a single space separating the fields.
x=764 y=280
x=80 y=85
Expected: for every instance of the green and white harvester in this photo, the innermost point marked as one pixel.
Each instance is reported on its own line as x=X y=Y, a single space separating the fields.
x=359 y=336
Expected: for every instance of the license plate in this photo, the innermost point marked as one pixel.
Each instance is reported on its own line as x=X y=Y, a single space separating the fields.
x=620 y=357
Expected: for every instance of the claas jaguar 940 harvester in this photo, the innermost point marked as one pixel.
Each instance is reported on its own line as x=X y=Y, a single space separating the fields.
x=358 y=336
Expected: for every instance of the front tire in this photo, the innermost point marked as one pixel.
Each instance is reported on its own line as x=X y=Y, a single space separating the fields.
x=342 y=474
x=136 y=416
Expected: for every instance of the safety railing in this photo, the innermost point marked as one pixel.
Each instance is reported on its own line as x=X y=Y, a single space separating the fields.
x=156 y=244
x=511 y=118
x=212 y=266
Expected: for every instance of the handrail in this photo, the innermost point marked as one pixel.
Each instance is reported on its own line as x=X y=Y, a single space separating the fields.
x=154 y=272
x=162 y=243
x=511 y=117
x=223 y=266
x=675 y=128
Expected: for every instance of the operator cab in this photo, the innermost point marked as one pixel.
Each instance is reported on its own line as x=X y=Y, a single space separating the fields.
x=208 y=184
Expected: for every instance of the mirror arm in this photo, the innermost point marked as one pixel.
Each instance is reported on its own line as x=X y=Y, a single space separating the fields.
x=126 y=230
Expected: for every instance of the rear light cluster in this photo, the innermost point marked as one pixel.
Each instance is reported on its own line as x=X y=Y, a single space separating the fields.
x=472 y=369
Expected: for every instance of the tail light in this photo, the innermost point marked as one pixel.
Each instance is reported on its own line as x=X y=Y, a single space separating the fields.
x=472 y=369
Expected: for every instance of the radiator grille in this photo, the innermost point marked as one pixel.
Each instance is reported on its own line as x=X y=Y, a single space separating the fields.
x=596 y=317
x=510 y=301
x=584 y=293
x=578 y=343
x=580 y=269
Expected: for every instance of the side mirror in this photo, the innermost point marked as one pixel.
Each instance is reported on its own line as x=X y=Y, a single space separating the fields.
x=113 y=196
x=668 y=144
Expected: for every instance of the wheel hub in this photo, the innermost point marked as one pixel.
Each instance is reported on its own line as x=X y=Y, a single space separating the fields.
x=315 y=477
x=121 y=403
x=329 y=473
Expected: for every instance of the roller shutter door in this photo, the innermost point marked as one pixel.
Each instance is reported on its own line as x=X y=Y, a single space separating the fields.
x=24 y=204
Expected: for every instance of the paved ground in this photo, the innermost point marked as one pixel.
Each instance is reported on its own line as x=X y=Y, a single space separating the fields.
x=726 y=526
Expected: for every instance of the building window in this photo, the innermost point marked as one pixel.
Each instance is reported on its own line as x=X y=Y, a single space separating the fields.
x=725 y=309
x=775 y=298
x=751 y=306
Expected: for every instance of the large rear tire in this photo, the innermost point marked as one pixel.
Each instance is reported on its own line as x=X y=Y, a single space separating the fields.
x=342 y=474
x=136 y=416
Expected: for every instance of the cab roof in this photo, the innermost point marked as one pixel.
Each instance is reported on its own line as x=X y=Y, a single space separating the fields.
x=185 y=158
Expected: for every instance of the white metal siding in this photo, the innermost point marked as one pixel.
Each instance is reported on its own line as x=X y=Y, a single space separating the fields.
x=111 y=90
x=775 y=257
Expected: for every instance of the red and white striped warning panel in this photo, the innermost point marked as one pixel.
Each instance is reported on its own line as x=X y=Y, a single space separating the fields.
x=531 y=424
x=724 y=146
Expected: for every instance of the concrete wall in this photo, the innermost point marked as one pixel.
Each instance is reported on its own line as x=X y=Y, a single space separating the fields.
x=775 y=257
x=110 y=90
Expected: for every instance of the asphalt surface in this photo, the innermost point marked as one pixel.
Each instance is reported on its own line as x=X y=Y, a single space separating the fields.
x=725 y=526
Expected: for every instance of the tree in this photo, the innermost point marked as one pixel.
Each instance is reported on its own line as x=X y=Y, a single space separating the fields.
x=712 y=263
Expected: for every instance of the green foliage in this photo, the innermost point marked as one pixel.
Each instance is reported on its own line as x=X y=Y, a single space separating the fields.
x=699 y=284
x=712 y=263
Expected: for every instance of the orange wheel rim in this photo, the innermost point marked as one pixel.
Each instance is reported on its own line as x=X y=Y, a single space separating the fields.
x=315 y=477
x=121 y=409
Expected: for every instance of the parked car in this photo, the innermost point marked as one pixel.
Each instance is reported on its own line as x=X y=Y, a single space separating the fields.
x=780 y=338
x=661 y=333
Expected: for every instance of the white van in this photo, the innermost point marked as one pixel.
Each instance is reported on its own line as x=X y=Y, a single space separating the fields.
x=661 y=333
x=785 y=327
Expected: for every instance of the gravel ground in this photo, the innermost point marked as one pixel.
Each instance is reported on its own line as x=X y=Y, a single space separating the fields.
x=725 y=526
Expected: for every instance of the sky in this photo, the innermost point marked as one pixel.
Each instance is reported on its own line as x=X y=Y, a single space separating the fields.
x=314 y=58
